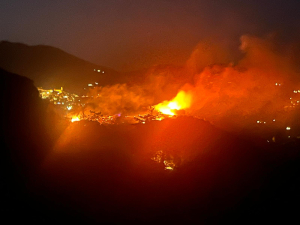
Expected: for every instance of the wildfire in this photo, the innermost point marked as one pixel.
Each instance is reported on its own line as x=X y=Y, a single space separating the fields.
x=75 y=118
x=163 y=110
x=181 y=101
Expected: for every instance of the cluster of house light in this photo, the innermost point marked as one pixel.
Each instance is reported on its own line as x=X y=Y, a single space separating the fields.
x=98 y=71
x=58 y=97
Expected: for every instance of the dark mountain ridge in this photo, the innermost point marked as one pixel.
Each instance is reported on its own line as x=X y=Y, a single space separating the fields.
x=51 y=67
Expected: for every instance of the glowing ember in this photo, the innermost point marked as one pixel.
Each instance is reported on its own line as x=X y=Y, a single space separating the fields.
x=75 y=118
x=169 y=164
x=181 y=101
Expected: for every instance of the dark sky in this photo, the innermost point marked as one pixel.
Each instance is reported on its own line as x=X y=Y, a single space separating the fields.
x=132 y=34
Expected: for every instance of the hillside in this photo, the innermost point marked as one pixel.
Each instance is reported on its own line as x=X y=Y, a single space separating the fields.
x=51 y=67
x=90 y=173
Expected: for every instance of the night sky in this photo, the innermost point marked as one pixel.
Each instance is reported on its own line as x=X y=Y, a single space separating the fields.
x=134 y=34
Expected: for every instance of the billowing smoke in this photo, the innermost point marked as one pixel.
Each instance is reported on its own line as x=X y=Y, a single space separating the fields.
x=208 y=53
x=231 y=94
x=119 y=98
x=258 y=87
x=156 y=85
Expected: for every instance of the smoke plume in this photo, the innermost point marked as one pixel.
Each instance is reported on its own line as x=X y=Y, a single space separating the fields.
x=258 y=87
x=231 y=94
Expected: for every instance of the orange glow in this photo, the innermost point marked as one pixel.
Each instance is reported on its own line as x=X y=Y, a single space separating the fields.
x=75 y=118
x=181 y=101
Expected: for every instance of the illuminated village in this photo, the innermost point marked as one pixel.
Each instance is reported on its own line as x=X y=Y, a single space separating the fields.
x=74 y=106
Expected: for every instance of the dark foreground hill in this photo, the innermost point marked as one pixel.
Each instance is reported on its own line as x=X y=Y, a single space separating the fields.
x=89 y=173
x=51 y=67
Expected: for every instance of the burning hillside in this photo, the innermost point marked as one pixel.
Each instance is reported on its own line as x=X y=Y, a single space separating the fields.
x=180 y=102
x=262 y=86
x=232 y=96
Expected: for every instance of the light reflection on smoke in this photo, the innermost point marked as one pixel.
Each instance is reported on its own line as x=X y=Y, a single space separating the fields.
x=231 y=95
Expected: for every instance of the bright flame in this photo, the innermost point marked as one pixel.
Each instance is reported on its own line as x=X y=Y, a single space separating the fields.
x=75 y=118
x=181 y=101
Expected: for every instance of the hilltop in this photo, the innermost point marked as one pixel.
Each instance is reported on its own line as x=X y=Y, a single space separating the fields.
x=51 y=67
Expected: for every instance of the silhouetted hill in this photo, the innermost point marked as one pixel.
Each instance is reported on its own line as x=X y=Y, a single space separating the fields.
x=93 y=174
x=103 y=171
x=51 y=67
x=23 y=141
x=23 y=116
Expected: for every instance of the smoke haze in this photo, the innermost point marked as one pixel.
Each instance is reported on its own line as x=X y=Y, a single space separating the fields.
x=230 y=93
